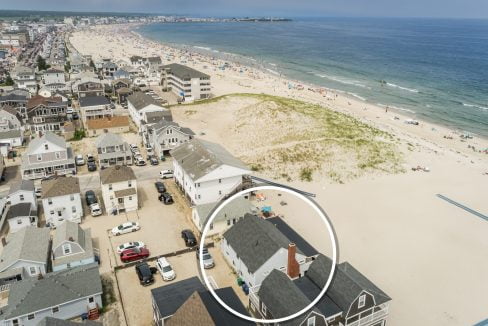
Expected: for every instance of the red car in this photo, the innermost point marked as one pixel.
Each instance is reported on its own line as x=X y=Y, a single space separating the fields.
x=134 y=254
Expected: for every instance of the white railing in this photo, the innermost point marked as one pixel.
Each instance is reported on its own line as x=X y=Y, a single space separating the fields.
x=370 y=319
x=253 y=296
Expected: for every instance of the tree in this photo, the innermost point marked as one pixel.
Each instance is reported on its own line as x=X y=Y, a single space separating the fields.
x=41 y=63
x=67 y=66
x=9 y=81
x=92 y=64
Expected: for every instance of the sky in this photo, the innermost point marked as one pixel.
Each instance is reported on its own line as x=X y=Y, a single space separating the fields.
x=288 y=8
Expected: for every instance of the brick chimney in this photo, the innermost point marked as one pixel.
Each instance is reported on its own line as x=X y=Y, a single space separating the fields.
x=293 y=269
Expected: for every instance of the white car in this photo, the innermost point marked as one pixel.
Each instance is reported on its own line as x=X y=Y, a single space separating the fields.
x=166 y=174
x=165 y=269
x=133 y=147
x=95 y=209
x=130 y=245
x=126 y=227
x=79 y=160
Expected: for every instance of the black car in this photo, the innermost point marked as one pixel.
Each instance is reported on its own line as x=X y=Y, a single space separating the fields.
x=90 y=197
x=92 y=166
x=166 y=198
x=160 y=187
x=189 y=238
x=144 y=273
x=75 y=116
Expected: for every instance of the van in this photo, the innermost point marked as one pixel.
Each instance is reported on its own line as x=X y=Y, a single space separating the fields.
x=165 y=269
x=166 y=174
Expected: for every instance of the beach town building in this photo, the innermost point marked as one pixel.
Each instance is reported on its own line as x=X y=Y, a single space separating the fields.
x=11 y=130
x=72 y=246
x=119 y=189
x=117 y=124
x=61 y=200
x=351 y=299
x=22 y=191
x=89 y=87
x=25 y=255
x=137 y=61
x=95 y=107
x=25 y=78
x=46 y=156
x=53 y=76
x=186 y=82
x=121 y=83
x=112 y=150
x=46 y=114
x=166 y=135
x=51 y=321
x=226 y=217
x=18 y=100
x=152 y=70
x=122 y=73
x=139 y=104
x=176 y=304
x=20 y=216
x=255 y=246
x=206 y=172
x=122 y=94
x=65 y=294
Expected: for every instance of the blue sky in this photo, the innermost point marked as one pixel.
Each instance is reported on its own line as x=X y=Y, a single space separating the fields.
x=383 y=8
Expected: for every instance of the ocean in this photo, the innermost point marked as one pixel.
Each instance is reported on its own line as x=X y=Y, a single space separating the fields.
x=433 y=69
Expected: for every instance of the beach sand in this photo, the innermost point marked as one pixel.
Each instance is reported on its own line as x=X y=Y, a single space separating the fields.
x=427 y=254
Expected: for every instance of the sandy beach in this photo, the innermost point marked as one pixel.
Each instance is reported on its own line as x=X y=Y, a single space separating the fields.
x=427 y=254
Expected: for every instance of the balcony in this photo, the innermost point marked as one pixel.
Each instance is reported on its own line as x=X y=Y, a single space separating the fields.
x=370 y=319
x=253 y=296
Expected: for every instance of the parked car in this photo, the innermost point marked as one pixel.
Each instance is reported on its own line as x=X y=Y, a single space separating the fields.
x=75 y=116
x=165 y=269
x=95 y=209
x=134 y=254
x=189 y=238
x=126 y=227
x=160 y=187
x=90 y=158
x=90 y=198
x=166 y=174
x=140 y=161
x=79 y=160
x=144 y=274
x=133 y=146
x=38 y=191
x=166 y=198
x=207 y=259
x=154 y=160
x=92 y=166
x=130 y=245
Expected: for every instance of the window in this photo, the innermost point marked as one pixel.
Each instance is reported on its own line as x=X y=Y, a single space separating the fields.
x=51 y=212
x=21 y=197
x=110 y=187
x=130 y=197
x=67 y=249
x=220 y=180
x=220 y=192
x=31 y=316
x=311 y=321
x=362 y=301
x=228 y=222
x=19 y=221
x=15 y=322
x=46 y=146
x=58 y=155
x=55 y=310
x=73 y=209
x=71 y=197
x=49 y=201
x=129 y=183
x=32 y=270
x=39 y=157
x=91 y=299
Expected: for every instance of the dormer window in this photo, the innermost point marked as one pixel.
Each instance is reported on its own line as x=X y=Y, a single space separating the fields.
x=362 y=301
x=46 y=146
x=311 y=321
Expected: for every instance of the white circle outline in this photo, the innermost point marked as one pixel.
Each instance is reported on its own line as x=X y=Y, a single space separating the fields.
x=329 y=229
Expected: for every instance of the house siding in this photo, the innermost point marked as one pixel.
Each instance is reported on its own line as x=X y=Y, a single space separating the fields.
x=61 y=209
x=111 y=203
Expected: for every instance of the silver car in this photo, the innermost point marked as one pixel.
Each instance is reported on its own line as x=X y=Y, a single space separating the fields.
x=208 y=261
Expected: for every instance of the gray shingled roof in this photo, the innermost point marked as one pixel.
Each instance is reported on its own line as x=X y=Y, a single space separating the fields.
x=21 y=209
x=26 y=185
x=60 y=186
x=117 y=173
x=199 y=157
x=157 y=116
x=255 y=240
x=280 y=296
x=235 y=209
x=49 y=137
x=140 y=100
x=53 y=289
x=15 y=133
x=184 y=72
x=70 y=231
x=347 y=284
x=108 y=139
x=163 y=124
x=93 y=101
x=29 y=243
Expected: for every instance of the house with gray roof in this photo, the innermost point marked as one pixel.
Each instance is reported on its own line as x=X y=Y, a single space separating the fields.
x=351 y=299
x=46 y=156
x=25 y=255
x=95 y=107
x=112 y=150
x=166 y=135
x=65 y=294
x=21 y=215
x=72 y=246
x=16 y=99
x=46 y=114
x=226 y=217
x=187 y=83
x=22 y=191
x=119 y=189
x=139 y=104
x=206 y=172
x=61 y=200
x=254 y=247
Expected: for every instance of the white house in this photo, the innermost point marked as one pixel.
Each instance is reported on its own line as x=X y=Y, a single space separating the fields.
x=166 y=135
x=53 y=76
x=46 y=156
x=11 y=130
x=95 y=107
x=61 y=200
x=72 y=246
x=26 y=254
x=206 y=172
x=22 y=191
x=186 y=82
x=119 y=189
x=66 y=294
x=26 y=79
x=21 y=215
x=139 y=104
x=255 y=246
x=227 y=216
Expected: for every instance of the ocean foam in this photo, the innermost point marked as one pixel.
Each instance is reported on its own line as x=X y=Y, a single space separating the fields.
x=412 y=90
x=342 y=81
x=484 y=108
